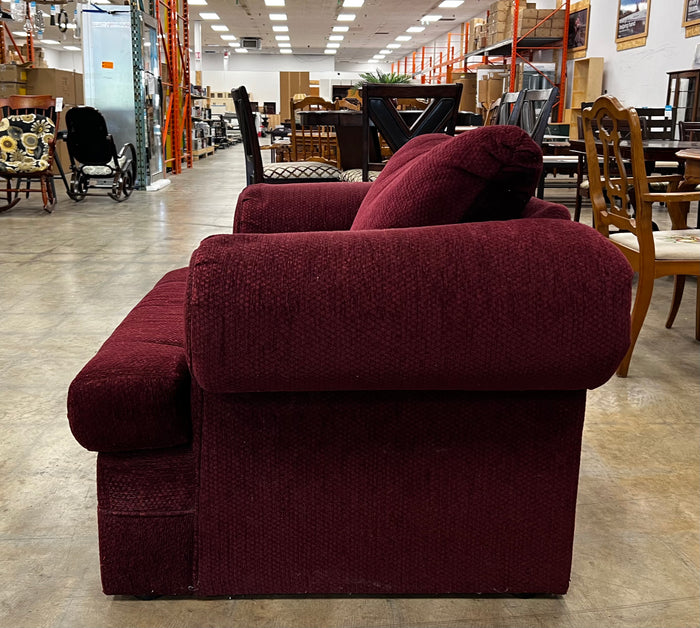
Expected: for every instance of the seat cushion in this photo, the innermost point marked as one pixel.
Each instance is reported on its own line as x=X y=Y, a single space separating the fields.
x=25 y=143
x=673 y=244
x=293 y=170
x=489 y=173
x=355 y=175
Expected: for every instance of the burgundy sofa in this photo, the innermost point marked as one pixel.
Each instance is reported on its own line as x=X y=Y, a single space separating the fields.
x=313 y=409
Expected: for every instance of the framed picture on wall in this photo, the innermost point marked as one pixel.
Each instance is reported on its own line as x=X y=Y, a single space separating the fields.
x=691 y=13
x=578 y=27
x=632 y=19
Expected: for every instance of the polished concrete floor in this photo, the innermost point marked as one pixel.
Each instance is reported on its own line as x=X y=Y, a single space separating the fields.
x=68 y=278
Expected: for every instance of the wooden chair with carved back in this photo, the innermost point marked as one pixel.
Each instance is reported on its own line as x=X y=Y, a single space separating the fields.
x=313 y=142
x=623 y=200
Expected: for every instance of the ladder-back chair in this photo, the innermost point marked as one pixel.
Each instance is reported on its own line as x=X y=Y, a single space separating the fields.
x=313 y=142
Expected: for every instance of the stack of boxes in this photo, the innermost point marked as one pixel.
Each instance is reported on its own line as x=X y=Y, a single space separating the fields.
x=478 y=34
x=13 y=79
x=500 y=23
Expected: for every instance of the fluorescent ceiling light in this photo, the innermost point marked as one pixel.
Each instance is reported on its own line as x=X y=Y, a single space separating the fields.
x=451 y=4
x=221 y=28
x=403 y=38
x=341 y=29
x=336 y=38
x=353 y=3
x=346 y=17
x=241 y=50
x=209 y=16
x=415 y=29
x=393 y=45
x=48 y=41
x=431 y=18
x=280 y=29
x=286 y=51
x=234 y=44
x=282 y=37
x=332 y=45
x=71 y=48
x=228 y=37
x=385 y=52
x=378 y=56
x=284 y=44
x=278 y=17
x=19 y=33
x=197 y=2
x=274 y=3
x=330 y=51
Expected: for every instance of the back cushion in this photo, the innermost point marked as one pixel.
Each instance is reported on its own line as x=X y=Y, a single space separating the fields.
x=489 y=173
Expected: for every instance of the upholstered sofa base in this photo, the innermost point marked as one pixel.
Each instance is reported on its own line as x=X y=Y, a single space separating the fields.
x=454 y=493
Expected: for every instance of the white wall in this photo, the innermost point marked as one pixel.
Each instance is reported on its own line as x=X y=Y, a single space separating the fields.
x=637 y=77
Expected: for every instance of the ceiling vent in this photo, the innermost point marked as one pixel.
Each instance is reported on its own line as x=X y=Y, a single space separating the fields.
x=251 y=43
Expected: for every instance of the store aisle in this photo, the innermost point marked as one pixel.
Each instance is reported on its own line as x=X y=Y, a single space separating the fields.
x=67 y=279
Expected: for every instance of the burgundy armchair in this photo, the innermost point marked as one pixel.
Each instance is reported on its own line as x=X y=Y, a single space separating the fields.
x=310 y=409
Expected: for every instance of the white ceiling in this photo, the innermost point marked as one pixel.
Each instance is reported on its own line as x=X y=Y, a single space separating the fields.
x=377 y=23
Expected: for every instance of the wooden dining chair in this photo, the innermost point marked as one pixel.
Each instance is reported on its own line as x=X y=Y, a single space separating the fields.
x=313 y=142
x=624 y=201
x=27 y=143
x=286 y=172
x=511 y=105
x=344 y=103
x=380 y=117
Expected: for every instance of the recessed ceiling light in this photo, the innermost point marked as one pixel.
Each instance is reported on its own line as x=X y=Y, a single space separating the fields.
x=221 y=28
x=48 y=41
x=284 y=44
x=403 y=38
x=278 y=17
x=430 y=18
x=415 y=29
x=341 y=29
x=330 y=51
x=450 y=4
x=280 y=29
x=197 y=2
x=353 y=3
x=285 y=51
x=241 y=50
x=332 y=45
x=19 y=33
x=71 y=48
x=209 y=16
x=274 y=3
x=385 y=52
x=346 y=17
x=378 y=56
x=282 y=37
x=228 y=37
x=336 y=38
x=234 y=44
x=393 y=45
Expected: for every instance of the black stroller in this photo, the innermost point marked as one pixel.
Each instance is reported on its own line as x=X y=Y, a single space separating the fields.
x=93 y=155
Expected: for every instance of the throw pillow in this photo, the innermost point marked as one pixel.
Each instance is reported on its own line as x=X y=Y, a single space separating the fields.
x=488 y=173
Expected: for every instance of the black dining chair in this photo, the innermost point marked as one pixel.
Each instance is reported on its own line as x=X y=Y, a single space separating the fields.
x=284 y=172
x=381 y=117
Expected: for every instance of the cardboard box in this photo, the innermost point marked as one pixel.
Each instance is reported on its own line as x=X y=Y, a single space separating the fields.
x=10 y=89
x=57 y=83
x=13 y=73
x=468 y=100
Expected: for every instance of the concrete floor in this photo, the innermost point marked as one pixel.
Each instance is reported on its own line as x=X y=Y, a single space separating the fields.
x=67 y=279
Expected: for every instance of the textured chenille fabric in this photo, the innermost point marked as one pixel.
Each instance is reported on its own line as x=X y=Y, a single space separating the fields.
x=475 y=306
x=485 y=174
x=134 y=394
x=266 y=208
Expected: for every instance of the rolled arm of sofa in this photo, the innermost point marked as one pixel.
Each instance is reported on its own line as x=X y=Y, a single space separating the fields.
x=275 y=208
x=532 y=304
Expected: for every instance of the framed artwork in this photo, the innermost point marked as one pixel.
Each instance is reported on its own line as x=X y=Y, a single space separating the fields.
x=632 y=19
x=691 y=13
x=578 y=29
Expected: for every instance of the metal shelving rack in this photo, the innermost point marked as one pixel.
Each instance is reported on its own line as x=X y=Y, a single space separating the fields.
x=174 y=35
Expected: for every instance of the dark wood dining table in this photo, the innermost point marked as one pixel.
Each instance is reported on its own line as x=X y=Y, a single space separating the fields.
x=654 y=150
